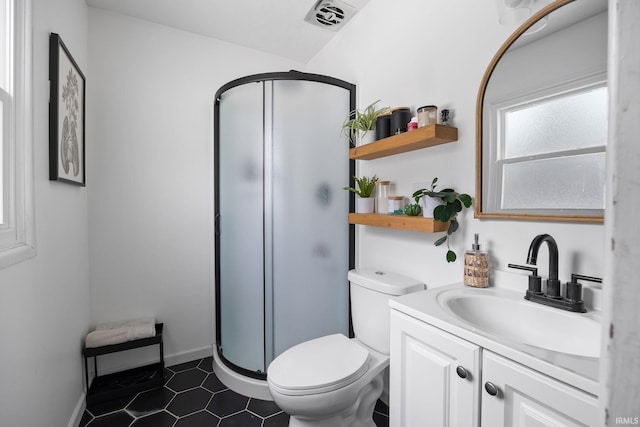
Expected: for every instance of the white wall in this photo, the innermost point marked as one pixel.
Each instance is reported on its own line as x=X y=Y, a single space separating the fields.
x=150 y=171
x=44 y=302
x=421 y=53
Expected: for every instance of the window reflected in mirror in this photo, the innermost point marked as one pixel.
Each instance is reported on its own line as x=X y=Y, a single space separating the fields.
x=542 y=119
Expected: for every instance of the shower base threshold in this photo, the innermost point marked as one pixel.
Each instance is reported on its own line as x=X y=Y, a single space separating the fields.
x=250 y=387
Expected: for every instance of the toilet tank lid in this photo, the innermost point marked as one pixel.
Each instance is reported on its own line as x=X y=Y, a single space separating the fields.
x=384 y=281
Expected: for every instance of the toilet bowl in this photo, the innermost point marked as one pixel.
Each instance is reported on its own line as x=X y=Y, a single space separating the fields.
x=335 y=381
x=320 y=381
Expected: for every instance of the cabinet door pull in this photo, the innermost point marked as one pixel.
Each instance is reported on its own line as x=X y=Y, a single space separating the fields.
x=462 y=373
x=491 y=388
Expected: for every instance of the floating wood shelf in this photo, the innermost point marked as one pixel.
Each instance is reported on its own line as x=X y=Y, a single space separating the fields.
x=423 y=137
x=402 y=222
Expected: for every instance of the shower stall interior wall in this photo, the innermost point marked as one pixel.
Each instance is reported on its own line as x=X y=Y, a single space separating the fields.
x=283 y=245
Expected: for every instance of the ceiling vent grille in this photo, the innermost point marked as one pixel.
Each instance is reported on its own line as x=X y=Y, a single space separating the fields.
x=330 y=14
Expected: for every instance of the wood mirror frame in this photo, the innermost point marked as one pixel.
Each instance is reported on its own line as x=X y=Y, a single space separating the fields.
x=478 y=212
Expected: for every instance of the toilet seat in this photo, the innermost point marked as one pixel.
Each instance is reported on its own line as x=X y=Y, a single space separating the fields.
x=318 y=366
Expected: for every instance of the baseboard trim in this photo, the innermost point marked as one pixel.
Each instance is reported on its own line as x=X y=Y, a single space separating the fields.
x=78 y=411
x=169 y=360
x=188 y=356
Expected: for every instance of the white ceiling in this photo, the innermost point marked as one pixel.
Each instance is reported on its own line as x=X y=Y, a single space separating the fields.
x=273 y=26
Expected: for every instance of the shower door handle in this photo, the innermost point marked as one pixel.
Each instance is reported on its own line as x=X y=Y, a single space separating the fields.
x=217 y=225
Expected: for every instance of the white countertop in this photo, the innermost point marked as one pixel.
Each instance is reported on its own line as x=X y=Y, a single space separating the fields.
x=580 y=372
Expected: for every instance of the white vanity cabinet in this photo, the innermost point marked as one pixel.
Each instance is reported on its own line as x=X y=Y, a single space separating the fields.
x=434 y=376
x=440 y=380
x=528 y=398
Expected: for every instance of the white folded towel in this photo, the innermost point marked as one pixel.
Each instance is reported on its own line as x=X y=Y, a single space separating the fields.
x=121 y=331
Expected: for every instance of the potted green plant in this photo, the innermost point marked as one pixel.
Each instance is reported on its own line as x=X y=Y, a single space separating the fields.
x=360 y=123
x=413 y=209
x=366 y=185
x=449 y=204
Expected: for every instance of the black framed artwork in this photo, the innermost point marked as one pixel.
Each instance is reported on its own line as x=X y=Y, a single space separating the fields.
x=66 y=115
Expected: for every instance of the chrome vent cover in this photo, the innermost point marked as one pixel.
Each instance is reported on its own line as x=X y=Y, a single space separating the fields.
x=330 y=14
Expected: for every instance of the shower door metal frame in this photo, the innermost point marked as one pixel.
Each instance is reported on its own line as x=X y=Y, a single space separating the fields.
x=259 y=78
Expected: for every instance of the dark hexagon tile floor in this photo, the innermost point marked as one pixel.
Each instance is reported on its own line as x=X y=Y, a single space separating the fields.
x=194 y=397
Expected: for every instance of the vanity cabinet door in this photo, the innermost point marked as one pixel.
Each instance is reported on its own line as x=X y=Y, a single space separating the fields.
x=434 y=376
x=528 y=398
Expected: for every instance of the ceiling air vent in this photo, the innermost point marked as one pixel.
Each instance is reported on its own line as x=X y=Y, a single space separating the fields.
x=330 y=14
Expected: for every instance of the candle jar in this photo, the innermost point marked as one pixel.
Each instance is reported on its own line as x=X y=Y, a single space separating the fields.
x=383 y=126
x=396 y=205
x=400 y=117
x=427 y=115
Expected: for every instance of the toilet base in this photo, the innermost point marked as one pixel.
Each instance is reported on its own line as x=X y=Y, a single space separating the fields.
x=360 y=414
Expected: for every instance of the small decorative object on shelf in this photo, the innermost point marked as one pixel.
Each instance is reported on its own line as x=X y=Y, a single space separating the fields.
x=400 y=118
x=413 y=124
x=365 y=201
x=383 y=126
x=427 y=115
x=382 y=194
x=413 y=209
x=395 y=205
x=452 y=203
x=360 y=124
x=444 y=117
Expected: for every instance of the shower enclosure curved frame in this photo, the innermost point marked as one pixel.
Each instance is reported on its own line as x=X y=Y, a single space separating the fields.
x=253 y=375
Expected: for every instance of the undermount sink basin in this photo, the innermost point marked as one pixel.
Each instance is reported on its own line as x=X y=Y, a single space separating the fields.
x=507 y=314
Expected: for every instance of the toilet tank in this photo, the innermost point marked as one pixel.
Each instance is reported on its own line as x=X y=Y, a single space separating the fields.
x=371 y=291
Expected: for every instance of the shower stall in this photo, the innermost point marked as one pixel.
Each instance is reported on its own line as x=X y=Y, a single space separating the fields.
x=282 y=243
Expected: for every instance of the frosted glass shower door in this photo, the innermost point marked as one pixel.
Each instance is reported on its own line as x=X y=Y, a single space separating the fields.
x=310 y=165
x=283 y=244
x=241 y=227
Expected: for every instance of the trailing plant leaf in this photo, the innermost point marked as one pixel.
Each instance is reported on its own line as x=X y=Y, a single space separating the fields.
x=440 y=241
x=466 y=200
x=451 y=256
x=453 y=226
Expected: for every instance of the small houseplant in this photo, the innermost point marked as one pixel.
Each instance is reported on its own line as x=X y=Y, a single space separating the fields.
x=452 y=202
x=361 y=122
x=366 y=185
x=413 y=209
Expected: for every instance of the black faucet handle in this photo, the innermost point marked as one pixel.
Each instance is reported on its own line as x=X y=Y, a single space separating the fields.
x=573 y=290
x=530 y=268
x=576 y=277
x=535 y=282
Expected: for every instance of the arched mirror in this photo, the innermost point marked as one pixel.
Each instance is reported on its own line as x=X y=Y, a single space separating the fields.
x=541 y=125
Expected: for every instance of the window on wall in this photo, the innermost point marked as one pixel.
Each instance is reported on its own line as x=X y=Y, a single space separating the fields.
x=16 y=180
x=560 y=165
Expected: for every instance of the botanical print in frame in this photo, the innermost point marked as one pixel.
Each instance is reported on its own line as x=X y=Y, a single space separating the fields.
x=66 y=115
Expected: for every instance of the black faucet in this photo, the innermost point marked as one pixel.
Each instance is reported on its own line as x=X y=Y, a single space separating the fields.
x=553 y=284
x=552 y=297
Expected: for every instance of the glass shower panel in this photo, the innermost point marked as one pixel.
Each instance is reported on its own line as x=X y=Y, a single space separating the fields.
x=241 y=226
x=310 y=163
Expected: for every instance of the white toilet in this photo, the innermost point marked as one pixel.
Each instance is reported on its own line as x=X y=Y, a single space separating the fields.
x=334 y=381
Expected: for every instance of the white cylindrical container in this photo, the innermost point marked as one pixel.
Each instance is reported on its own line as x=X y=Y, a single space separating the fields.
x=427 y=115
x=382 y=193
x=395 y=205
